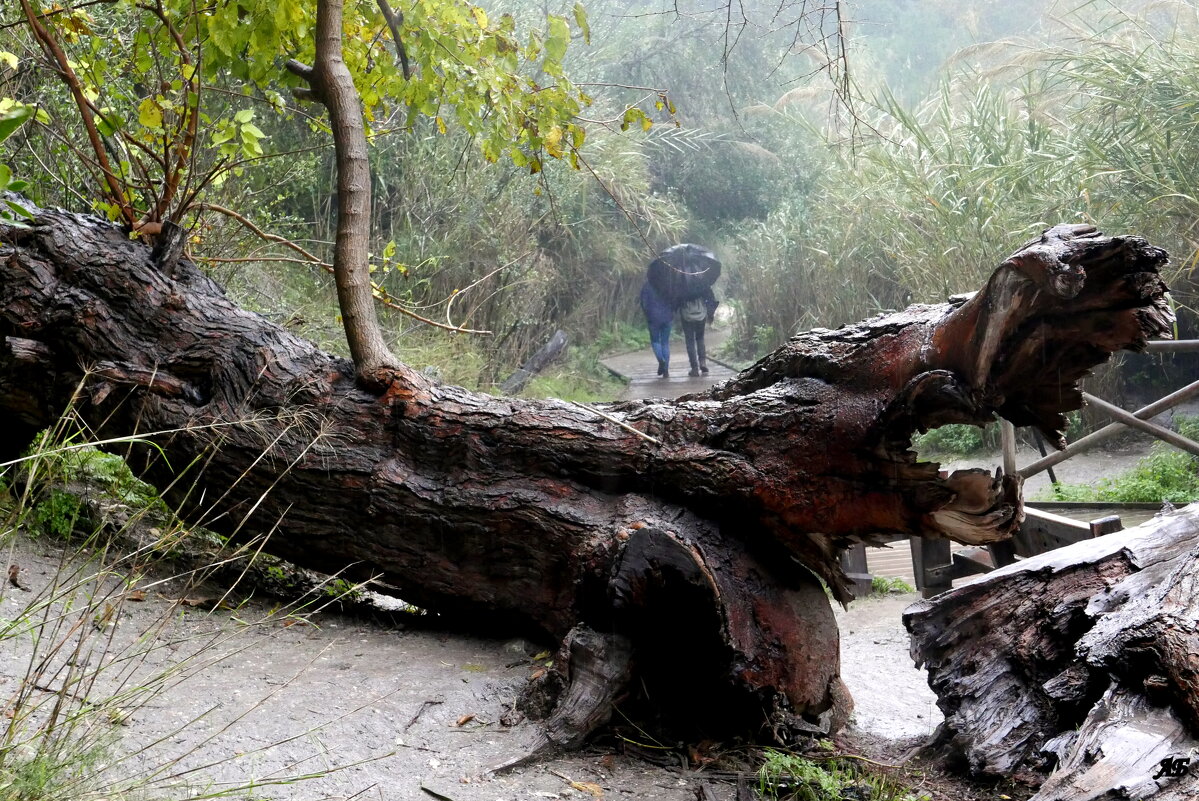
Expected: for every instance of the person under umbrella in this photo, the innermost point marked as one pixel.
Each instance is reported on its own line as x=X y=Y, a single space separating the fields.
x=681 y=278
x=659 y=316
x=696 y=314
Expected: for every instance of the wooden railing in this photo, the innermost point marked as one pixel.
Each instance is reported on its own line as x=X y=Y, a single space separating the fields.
x=935 y=565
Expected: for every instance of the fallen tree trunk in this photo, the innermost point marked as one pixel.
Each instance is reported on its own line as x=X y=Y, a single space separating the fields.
x=686 y=528
x=1078 y=668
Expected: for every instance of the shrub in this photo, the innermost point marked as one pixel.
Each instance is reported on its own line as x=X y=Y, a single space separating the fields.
x=1165 y=474
x=957 y=440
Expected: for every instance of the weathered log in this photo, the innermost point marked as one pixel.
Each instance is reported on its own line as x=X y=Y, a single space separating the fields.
x=1078 y=668
x=536 y=363
x=688 y=526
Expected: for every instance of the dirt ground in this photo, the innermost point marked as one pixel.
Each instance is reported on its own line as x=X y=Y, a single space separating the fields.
x=393 y=709
x=251 y=693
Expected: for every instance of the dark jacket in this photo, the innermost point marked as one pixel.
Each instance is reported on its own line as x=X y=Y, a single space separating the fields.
x=710 y=302
x=658 y=310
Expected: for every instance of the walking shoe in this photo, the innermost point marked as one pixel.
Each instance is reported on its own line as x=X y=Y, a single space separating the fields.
x=703 y=368
x=694 y=372
x=661 y=367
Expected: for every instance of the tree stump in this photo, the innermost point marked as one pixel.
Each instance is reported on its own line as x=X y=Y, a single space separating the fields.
x=1077 y=669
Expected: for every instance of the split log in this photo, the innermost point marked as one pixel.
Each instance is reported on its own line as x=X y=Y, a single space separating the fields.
x=1077 y=670
x=692 y=527
x=544 y=356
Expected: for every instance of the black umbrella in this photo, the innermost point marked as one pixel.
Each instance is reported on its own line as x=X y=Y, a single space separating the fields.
x=683 y=272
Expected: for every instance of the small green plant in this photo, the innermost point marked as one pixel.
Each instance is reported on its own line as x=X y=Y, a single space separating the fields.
x=885 y=585
x=342 y=590
x=59 y=513
x=791 y=777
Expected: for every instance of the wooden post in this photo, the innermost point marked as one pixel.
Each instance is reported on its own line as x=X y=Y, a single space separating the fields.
x=1106 y=525
x=930 y=566
x=853 y=562
x=1004 y=553
x=1007 y=441
x=536 y=363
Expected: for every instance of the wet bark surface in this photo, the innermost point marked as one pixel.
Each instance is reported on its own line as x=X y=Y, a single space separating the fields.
x=1078 y=668
x=550 y=515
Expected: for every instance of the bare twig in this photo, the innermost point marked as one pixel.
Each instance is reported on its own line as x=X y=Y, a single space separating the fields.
x=421 y=711
x=54 y=50
x=380 y=294
x=394 y=21
x=620 y=423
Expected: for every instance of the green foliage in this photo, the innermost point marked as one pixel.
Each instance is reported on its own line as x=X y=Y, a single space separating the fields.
x=12 y=116
x=163 y=79
x=45 y=775
x=58 y=514
x=957 y=440
x=1166 y=474
x=931 y=194
x=56 y=480
x=110 y=472
x=884 y=585
x=791 y=777
x=620 y=337
x=578 y=377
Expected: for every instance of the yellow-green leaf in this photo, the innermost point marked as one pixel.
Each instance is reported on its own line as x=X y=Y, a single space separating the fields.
x=553 y=141
x=480 y=16
x=581 y=21
x=9 y=58
x=13 y=118
x=149 y=114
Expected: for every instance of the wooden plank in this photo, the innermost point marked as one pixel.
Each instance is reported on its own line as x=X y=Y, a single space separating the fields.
x=1044 y=531
x=1117 y=505
x=1108 y=431
x=972 y=562
x=1129 y=419
x=1172 y=346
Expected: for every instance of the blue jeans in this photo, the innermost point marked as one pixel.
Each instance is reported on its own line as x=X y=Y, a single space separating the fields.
x=659 y=340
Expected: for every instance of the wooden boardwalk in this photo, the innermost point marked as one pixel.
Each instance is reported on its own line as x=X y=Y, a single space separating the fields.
x=640 y=369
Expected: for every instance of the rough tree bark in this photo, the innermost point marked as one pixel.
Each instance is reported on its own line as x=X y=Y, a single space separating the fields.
x=650 y=535
x=1081 y=664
